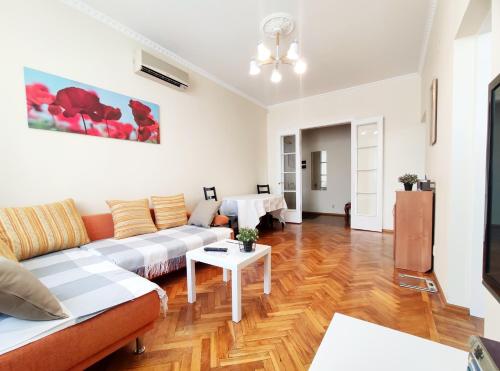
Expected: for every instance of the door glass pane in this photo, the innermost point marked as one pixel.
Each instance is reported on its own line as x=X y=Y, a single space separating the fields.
x=289 y=163
x=367 y=158
x=290 y=198
x=367 y=181
x=289 y=182
x=367 y=204
x=367 y=135
x=289 y=144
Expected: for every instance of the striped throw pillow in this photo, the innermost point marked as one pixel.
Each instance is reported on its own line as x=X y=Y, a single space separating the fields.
x=170 y=211
x=6 y=252
x=131 y=218
x=38 y=230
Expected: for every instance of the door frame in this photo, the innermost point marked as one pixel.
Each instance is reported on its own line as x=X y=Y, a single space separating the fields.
x=368 y=223
x=292 y=216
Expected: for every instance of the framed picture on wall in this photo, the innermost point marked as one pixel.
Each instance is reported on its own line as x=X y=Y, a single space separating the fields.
x=433 y=111
x=59 y=104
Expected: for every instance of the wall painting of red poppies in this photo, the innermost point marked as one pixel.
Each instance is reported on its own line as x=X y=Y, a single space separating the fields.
x=59 y=104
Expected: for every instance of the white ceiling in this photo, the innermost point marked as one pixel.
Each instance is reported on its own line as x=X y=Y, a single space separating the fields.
x=345 y=42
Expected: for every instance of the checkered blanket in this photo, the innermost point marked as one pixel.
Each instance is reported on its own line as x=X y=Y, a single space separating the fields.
x=151 y=255
x=85 y=283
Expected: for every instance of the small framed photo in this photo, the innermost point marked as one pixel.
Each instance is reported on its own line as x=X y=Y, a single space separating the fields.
x=433 y=111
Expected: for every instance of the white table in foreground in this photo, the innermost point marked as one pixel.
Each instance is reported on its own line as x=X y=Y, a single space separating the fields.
x=234 y=260
x=249 y=208
x=356 y=345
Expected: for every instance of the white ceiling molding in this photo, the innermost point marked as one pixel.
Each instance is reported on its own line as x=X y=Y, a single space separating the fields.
x=351 y=88
x=109 y=21
x=427 y=35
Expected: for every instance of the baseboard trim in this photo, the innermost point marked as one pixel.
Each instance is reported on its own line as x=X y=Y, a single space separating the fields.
x=442 y=297
x=319 y=213
x=388 y=231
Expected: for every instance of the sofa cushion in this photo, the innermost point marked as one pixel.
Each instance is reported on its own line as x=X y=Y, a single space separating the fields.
x=23 y=296
x=204 y=213
x=38 y=230
x=170 y=211
x=154 y=254
x=131 y=218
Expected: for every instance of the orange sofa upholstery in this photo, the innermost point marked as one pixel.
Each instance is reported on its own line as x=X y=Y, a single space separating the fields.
x=81 y=345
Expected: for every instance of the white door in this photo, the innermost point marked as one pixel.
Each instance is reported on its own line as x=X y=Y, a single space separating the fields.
x=367 y=159
x=290 y=179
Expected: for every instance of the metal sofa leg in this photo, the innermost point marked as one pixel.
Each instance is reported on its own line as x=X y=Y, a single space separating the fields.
x=139 y=346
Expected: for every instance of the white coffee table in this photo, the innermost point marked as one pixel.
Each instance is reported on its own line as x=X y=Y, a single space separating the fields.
x=234 y=260
x=356 y=345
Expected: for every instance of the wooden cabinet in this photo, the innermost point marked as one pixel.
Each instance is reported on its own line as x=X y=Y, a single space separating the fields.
x=413 y=221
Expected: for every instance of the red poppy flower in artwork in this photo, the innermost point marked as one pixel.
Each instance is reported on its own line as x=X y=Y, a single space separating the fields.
x=94 y=132
x=119 y=130
x=110 y=113
x=149 y=132
x=54 y=110
x=79 y=101
x=36 y=95
x=139 y=110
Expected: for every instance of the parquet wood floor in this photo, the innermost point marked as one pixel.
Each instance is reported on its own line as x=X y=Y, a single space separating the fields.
x=318 y=268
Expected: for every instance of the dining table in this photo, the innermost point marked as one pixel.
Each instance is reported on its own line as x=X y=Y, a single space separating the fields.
x=249 y=208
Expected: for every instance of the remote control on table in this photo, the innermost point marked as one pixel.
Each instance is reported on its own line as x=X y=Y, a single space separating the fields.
x=218 y=249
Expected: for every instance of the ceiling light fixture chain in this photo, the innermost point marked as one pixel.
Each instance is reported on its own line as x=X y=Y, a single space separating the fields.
x=277 y=26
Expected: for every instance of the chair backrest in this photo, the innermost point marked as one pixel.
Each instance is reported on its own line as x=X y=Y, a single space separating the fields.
x=263 y=188
x=210 y=193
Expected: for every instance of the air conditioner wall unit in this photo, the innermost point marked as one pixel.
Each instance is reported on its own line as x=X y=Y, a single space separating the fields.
x=149 y=66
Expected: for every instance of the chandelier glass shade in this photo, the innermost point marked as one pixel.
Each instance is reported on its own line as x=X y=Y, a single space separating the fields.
x=266 y=58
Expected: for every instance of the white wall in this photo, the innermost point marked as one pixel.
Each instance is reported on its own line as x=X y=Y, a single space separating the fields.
x=458 y=157
x=397 y=99
x=208 y=133
x=336 y=141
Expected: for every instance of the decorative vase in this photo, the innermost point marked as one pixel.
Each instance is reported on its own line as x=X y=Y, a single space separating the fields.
x=408 y=186
x=248 y=246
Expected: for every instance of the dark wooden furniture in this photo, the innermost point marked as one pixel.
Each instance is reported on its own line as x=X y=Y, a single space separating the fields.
x=263 y=188
x=347 y=211
x=413 y=221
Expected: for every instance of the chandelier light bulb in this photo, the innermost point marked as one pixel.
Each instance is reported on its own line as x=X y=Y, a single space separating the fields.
x=276 y=76
x=300 y=67
x=254 y=68
x=293 y=51
x=263 y=53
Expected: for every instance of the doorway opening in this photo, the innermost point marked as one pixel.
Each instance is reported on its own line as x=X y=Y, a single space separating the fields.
x=326 y=174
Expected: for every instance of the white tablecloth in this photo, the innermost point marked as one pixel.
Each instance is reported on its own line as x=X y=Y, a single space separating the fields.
x=249 y=208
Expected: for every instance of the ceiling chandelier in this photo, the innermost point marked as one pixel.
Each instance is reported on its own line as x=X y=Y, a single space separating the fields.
x=277 y=26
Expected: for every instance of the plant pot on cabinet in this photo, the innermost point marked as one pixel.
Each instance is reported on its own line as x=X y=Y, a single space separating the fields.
x=408 y=186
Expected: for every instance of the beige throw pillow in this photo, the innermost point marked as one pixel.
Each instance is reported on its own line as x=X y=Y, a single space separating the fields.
x=131 y=218
x=170 y=211
x=23 y=296
x=204 y=213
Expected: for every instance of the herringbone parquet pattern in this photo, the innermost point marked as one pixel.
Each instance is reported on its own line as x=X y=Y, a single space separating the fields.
x=318 y=268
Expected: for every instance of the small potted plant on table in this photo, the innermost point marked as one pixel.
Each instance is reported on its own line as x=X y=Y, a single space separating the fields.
x=247 y=237
x=408 y=180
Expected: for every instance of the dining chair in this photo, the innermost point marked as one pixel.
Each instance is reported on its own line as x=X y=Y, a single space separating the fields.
x=210 y=193
x=263 y=188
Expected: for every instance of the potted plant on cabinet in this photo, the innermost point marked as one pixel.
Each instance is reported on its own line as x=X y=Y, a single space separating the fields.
x=408 y=180
x=247 y=237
